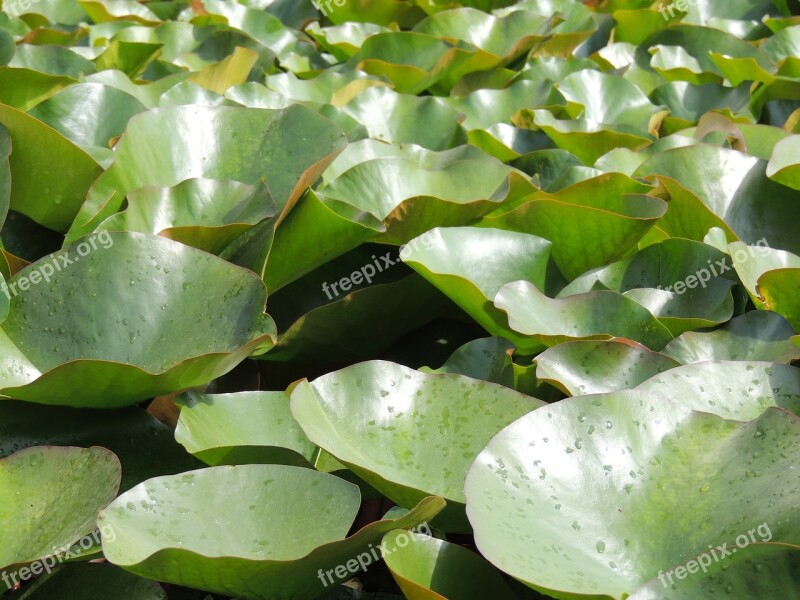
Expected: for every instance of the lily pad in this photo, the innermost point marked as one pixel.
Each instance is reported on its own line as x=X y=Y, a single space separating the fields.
x=429 y=569
x=587 y=367
x=601 y=315
x=771 y=277
x=473 y=279
x=110 y=350
x=252 y=148
x=755 y=335
x=242 y=428
x=387 y=422
x=587 y=228
x=731 y=389
x=37 y=188
x=51 y=497
x=204 y=213
x=574 y=460
x=264 y=549
x=784 y=166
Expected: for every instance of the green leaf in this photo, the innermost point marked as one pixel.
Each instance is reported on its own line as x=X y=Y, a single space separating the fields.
x=131 y=58
x=499 y=40
x=315 y=232
x=402 y=118
x=252 y=146
x=204 y=213
x=273 y=553
x=343 y=41
x=429 y=569
x=731 y=389
x=381 y=12
x=784 y=166
x=318 y=324
x=690 y=102
x=7 y=47
x=472 y=279
x=381 y=421
x=488 y=359
x=146 y=340
x=414 y=62
x=242 y=428
x=484 y=108
x=611 y=99
x=25 y=88
x=453 y=190
x=587 y=367
x=592 y=316
x=38 y=188
x=228 y=72
x=102 y=11
x=556 y=475
x=66 y=113
x=755 y=335
x=51 y=497
x=53 y=60
x=590 y=223
x=752 y=205
x=586 y=139
x=771 y=277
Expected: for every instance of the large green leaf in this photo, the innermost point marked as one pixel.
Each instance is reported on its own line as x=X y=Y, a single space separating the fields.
x=611 y=99
x=389 y=423
x=735 y=188
x=784 y=166
x=771 y=277
x=586 y=139
x=600 y=315
x=38 y=187
x=588 y=367
x=263 y=548
x=472 y=279
x=755 y=335
x=403 y=118
x=53 y=60
x=242 y=428
x=414 y=62
x=88 y=114
x=382 y=12
x=590 y=223
x=315 y=232
x=429 y=569
x=145 y=341
x=51 y=497
x=731 y=389
x=578 y=498
x=204 y=213
x=287 y=149
x=453 y=191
